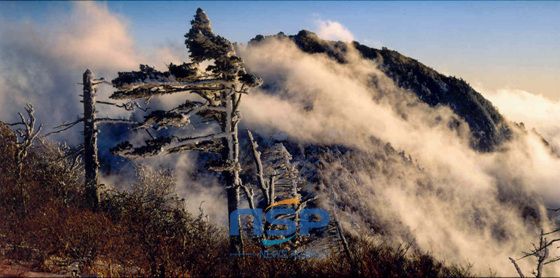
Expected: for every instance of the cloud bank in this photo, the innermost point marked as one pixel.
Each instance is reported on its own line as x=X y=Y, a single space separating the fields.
x=44 y=64
x=457 y=203
x=462 y=205
x=534 y=111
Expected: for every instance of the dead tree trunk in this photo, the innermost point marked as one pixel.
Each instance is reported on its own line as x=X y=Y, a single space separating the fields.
x=231 y=156
x=90 y=143
x=342 y=238
x=26 y=135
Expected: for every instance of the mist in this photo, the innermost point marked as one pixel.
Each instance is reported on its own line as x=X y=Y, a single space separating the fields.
x=459 y=204
x=313 y=99
x=43 y=65
x=533 y=110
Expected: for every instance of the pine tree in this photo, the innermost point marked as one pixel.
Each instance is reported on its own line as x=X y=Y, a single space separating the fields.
x=220 y=85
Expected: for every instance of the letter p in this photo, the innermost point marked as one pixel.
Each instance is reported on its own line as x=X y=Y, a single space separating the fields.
x=306 y=225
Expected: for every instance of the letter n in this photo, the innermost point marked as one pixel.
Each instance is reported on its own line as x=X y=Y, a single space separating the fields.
x=257 y=221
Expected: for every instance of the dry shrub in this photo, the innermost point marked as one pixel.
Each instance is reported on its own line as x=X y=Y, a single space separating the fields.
x=154 y=230
x=146 y=231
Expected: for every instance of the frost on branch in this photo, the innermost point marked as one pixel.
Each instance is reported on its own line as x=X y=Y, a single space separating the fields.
x=284 y=172
x=160 y=119
x=277 y=178
x=146 y=73
x=184 y=72
x=250 y=80
x=203 y=43
x=220 y=85
x=26 y=135
x=226 y=72
x=541 y=253
x=152 y=147
x=208 y=146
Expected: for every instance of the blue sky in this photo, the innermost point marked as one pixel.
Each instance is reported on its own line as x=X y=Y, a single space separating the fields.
x=496 y=45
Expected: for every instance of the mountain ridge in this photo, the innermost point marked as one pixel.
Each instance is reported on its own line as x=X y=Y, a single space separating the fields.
x=488 y=127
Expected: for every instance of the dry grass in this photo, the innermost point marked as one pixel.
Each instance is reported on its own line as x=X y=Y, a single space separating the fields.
x=147 y=232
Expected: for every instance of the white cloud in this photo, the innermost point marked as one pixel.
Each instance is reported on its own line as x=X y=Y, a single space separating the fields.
x=44 y=64
x=332 y=30
x=453 y=207
x=535 y=111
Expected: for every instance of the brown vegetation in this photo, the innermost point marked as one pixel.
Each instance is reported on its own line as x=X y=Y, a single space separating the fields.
x=146 y=231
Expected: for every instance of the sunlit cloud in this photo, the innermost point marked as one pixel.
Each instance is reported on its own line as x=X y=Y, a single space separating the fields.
x=456 y=219
x=534 y=111
x=332 y=30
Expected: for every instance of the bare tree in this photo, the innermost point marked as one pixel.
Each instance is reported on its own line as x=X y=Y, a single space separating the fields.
x=26 y=135
x=342 y=238
x=90 y=121
x=277 y=178
x=540 y=252
x=91 y=163
x=220 y=85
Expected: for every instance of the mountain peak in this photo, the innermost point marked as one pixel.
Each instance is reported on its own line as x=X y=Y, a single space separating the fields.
x=488 y=127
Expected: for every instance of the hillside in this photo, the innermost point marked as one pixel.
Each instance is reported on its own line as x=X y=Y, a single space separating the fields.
x=146 y=231
x=398 y=151
x=421 y=176
x=488 y=126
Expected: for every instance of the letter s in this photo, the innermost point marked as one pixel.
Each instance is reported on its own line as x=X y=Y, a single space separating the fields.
x=291 y=226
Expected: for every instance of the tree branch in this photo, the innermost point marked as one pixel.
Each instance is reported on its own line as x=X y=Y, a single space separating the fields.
x=517 y=268
x=260 y=174
x=115 y=121
x=128 y=106
x=166 y=144
x=250 y=194
x=25 y=140
x=64 y=127
x=147 y=89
